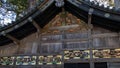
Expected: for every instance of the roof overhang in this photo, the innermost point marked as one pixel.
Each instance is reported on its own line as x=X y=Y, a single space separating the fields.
x=24 y=27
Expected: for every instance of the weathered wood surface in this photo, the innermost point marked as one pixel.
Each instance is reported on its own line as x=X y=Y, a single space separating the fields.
x=54 y=42
x=33 y=45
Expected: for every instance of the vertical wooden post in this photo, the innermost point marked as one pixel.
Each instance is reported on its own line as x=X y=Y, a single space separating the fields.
x=119 y=38
x=63 y=37
x=39 y=46
x=63 y=46
x=90 y=36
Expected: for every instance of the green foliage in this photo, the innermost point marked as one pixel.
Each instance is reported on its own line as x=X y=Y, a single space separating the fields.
x=20 y=4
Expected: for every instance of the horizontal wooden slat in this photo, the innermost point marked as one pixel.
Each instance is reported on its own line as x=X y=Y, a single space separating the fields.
x=105 y=35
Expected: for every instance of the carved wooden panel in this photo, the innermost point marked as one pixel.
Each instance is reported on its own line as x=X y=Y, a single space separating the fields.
x=26 y=60
x=106 y=53
x=77 y=54
x=7 y=60
x=50 y=60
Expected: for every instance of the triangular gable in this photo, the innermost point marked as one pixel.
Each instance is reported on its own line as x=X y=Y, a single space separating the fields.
x=65 y=21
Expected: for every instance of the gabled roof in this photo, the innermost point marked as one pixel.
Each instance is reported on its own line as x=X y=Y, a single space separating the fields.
x=106 y=19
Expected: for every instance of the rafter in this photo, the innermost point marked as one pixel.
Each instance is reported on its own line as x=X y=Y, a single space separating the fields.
x=36 y=26
x=42 y=4
x=15 y=40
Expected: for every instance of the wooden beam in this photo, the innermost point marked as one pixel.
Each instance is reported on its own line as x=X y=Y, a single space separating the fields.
x=90 y=15
x=89 y=19
x=105 y=35
x=65 y=14
x=65 y=27
x=119 y=37
x=42 y=4
x=37 y=27
x=90 y=36
x=16 y=41
x=34 y=24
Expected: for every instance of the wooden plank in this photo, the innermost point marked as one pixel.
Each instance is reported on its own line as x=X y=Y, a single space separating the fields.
x=77 y=61
x=106 y=60
x=75 y=40
x=106 y=47
x=104 y=35
x=76 y=49
x=64 y=27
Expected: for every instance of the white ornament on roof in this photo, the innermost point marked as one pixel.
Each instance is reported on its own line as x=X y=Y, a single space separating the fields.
x=59 y=3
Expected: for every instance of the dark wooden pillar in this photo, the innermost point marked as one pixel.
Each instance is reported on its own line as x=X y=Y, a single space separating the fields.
x=90 y=35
